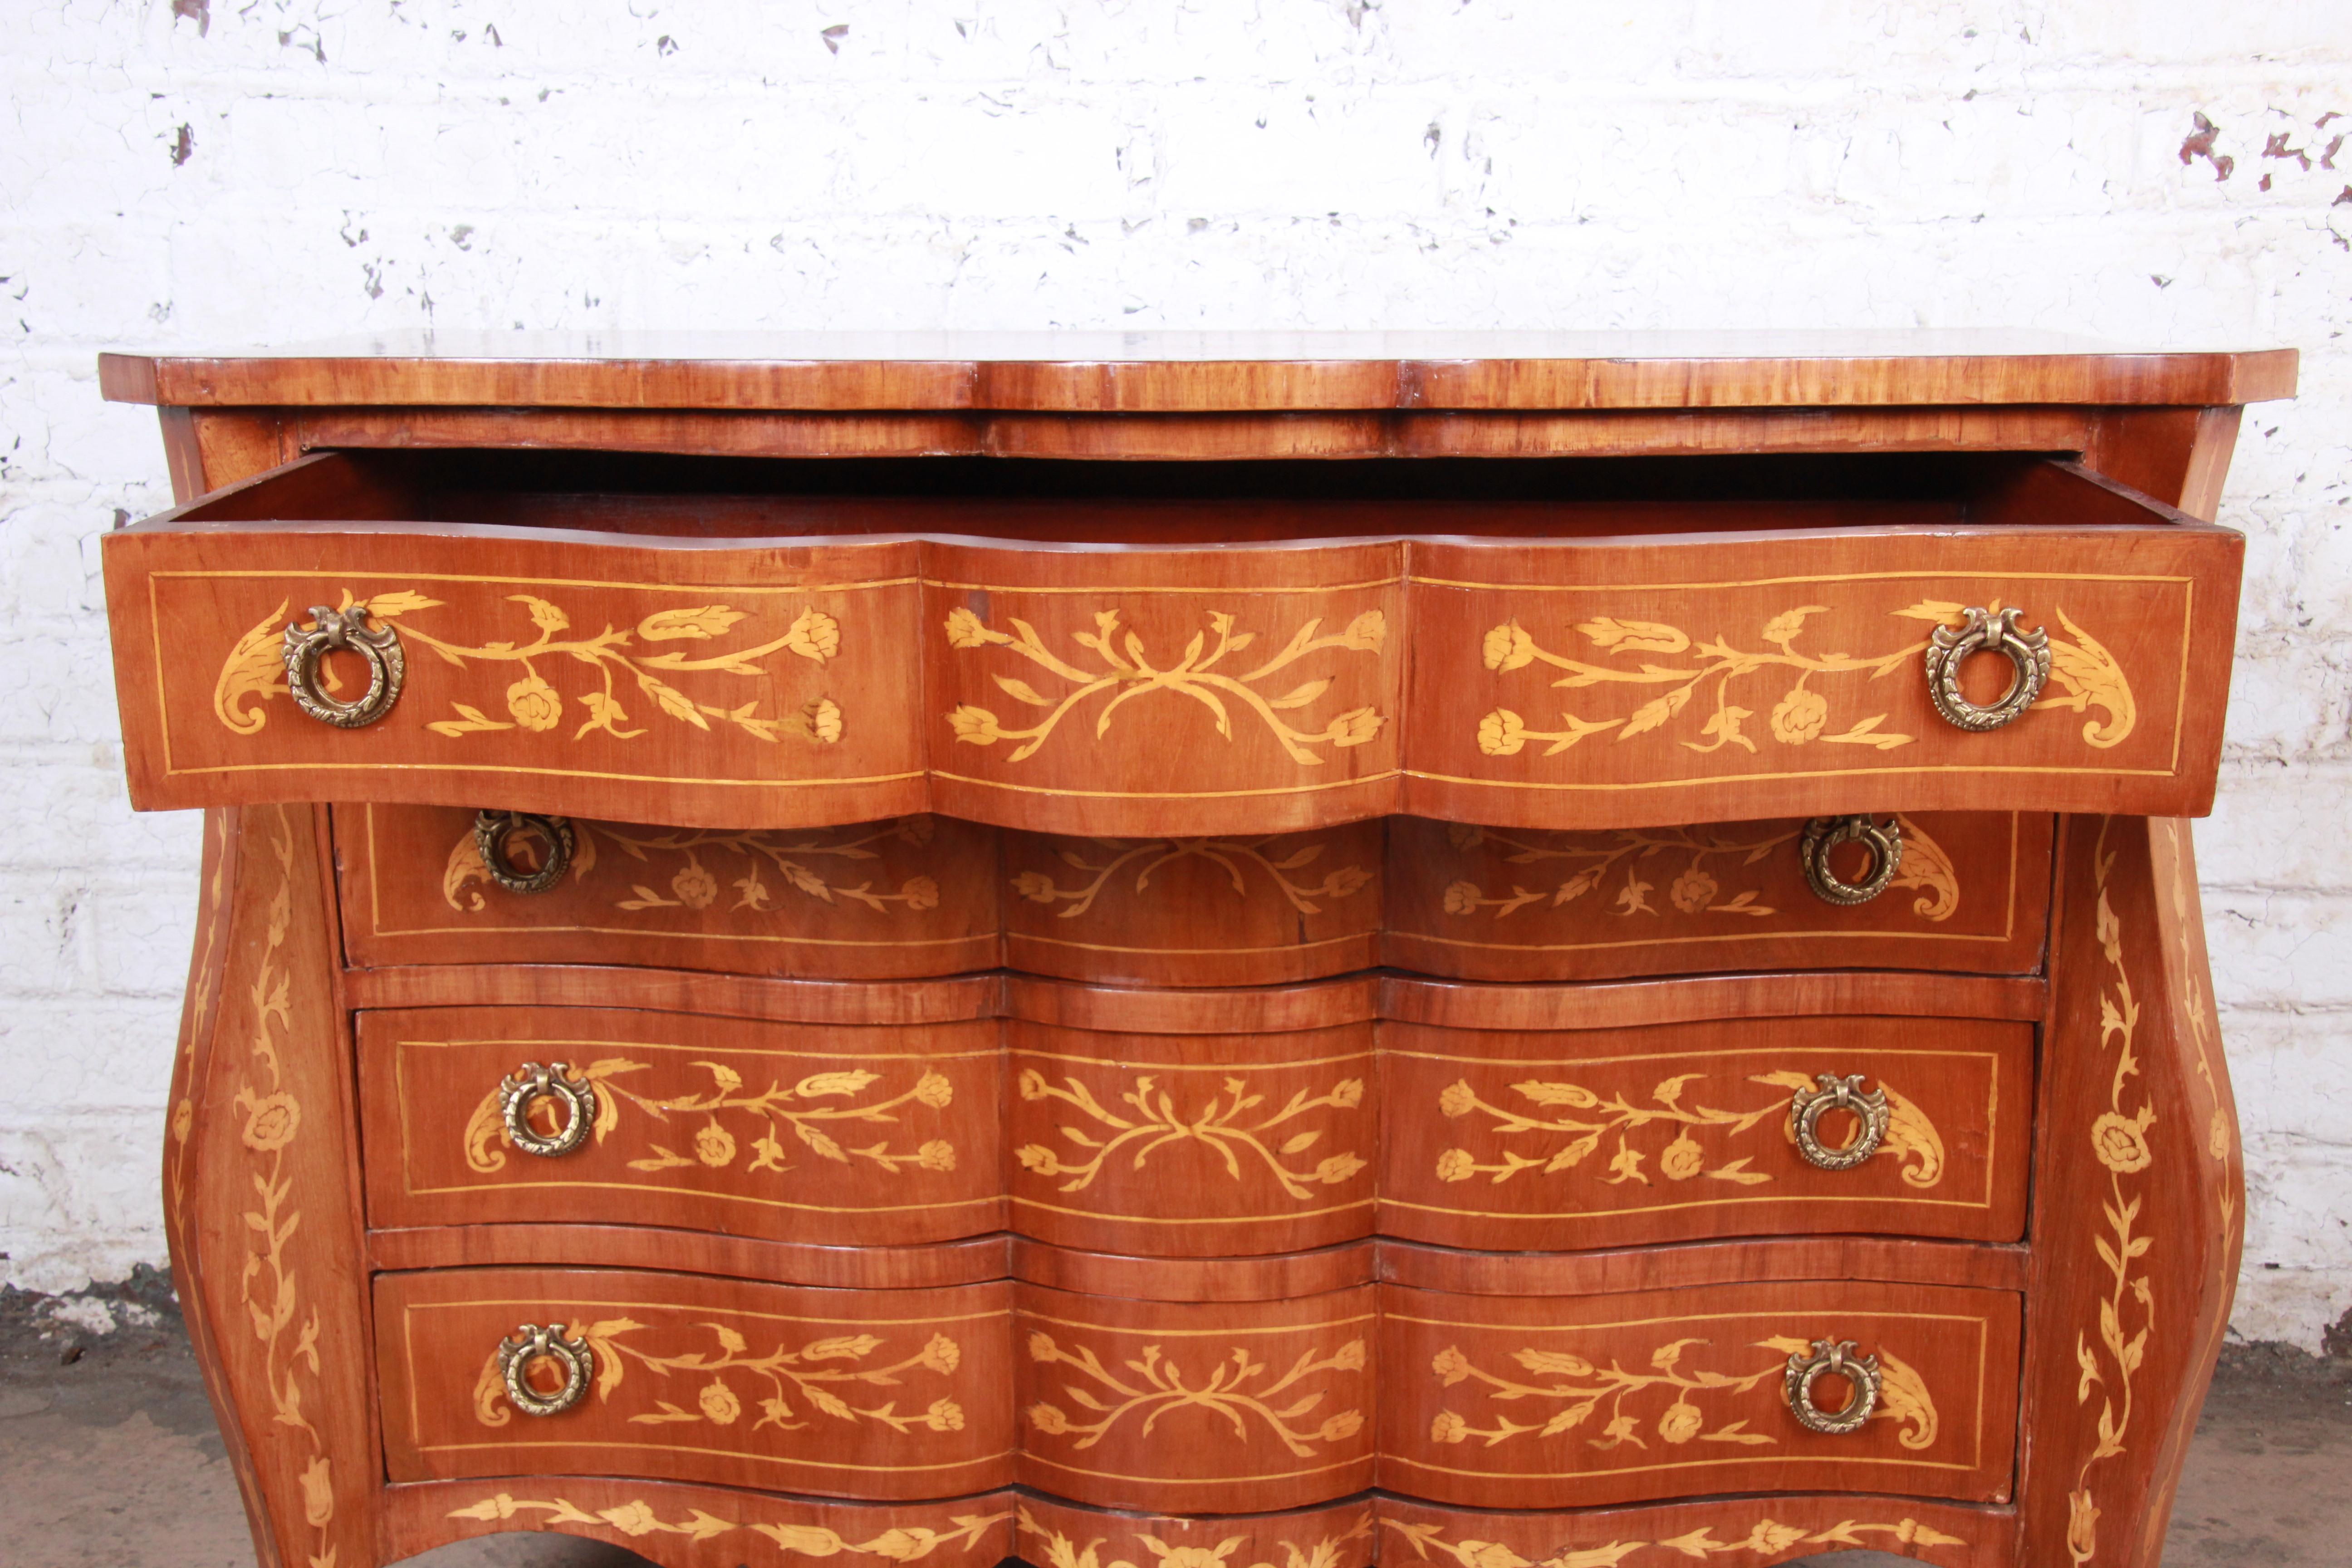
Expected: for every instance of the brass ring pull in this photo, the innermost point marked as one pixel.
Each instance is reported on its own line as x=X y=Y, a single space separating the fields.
x=378 y=644
x=1824 y=834
x=532 y=1083
x=493 y=828
x=1836 y=1357
x=1806 y=1106
x=2027 y=652
x=529 y=1343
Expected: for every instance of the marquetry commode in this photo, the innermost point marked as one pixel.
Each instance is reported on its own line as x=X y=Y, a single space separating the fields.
x=1476 y=951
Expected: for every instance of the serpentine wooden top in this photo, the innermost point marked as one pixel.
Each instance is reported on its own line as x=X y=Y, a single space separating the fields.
x=1200 y=372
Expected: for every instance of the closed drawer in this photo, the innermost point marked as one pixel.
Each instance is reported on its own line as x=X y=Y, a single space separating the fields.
x=733 y=660
x=840 y=1135
x=853 y=1393
x=1219 y=910
x=1197 y=1406
x=908 y=897
x=1198 y=1144
x=1566 y=1139
x=1968 y=892
x=1552 y=1402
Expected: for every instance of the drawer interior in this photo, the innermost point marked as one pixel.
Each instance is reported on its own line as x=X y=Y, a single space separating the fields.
x=1070 y=502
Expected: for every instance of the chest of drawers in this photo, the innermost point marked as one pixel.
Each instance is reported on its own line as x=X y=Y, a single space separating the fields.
x=1492 y=952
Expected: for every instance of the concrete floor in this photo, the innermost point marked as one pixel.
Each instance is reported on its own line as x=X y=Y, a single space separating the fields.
x=109 y=1458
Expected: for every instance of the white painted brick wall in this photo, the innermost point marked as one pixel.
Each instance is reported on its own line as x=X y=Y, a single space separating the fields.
x=569 y=164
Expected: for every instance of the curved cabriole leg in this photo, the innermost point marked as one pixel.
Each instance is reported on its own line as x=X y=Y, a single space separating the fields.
x=2139 y=1193
x=259 y=1200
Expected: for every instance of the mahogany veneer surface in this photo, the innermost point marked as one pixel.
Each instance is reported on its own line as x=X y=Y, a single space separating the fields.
x=1195 y=948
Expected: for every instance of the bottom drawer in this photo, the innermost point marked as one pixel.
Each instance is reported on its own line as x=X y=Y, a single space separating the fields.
x=857 y=1393
x=1571 y=1402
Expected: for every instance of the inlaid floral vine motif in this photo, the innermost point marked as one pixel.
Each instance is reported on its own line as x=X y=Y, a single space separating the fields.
x=800 y=1110
x=1766 y=1538
x=1583 y=1389
x=1586 y=1117
x=694 y=885
x=1236 y=857
x=1228 y=1125
x=638 y=1518
x=818 y=1375
x=1057 y=1550
x=1230 y=1389
x=255 y=670
x=2119 y=1141
x=1693 y=863
x=1802 y=715
x=273 y=1121
x=1126 y=667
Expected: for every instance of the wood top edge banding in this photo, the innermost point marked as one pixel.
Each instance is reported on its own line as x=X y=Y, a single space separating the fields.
x=1194 y=373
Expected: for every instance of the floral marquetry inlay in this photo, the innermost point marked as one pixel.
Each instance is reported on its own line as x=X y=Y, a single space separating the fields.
x=1235 y=1125
x=1240 y=1389
x=842 y=1377
x=638 y=1519
x=287 y=1335
x=1765 y=1538
x=697 y=870
x=1817 y=707
x=255 y=671
x=1585 y=1119
x=1699 y=868
x=1670 y=1403
x=1238 y=858
x=842 y=1100
x=1057 y=1550
x=1124 y=666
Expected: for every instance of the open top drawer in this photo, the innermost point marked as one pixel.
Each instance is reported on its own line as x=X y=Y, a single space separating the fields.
x=737 y=643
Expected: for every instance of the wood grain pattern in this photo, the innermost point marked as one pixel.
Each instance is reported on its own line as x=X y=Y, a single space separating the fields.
x=1186 y=1407
x=885 y=1136
x=912 y=895
x=575 y=1245
x=1132 y=372
x=867 y=1394
x=1594 y=1138
x=1479 y=903
x=1198 y=438
x=1514 y=1402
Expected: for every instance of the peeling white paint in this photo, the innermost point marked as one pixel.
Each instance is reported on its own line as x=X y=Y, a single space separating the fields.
x=207 y=174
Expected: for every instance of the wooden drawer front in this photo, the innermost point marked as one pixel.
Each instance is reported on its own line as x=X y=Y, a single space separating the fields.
x=543 y=673
x=1101 y=692
x=1760 y=676
x=911 y=896
x=1561 y=1140
x=1972 y=893
x=1531 y=1402
x=1238 y=911
x=1564 y=671
x=1206 y=1406
x=855 y=1394
x=835 y=1134
x=1192 y=1145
